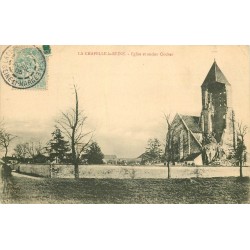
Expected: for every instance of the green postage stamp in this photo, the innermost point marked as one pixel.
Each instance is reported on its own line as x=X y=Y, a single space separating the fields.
x=24 y=67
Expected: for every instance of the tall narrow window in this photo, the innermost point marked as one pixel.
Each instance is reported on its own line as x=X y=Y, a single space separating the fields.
x=181 y=147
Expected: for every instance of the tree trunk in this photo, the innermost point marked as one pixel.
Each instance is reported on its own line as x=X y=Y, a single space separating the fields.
x=6 y=152
x=169 y=173
x=74 y=156
x=241 y=172
x=75 y=162
x=76 y=170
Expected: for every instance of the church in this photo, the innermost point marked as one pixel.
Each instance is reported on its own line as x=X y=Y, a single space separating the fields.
x=209 y=138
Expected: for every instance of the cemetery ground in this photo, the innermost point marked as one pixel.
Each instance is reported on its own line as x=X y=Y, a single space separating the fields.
x=219 y=190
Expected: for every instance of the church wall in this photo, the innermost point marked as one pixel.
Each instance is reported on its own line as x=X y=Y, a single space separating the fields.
x=178 y=128
x=229 y=135
x=195 y=148
x=179 y=131
x=187 y=141
x=216 y=97
x=181 y=136
x=219 y=120
x=220 y=107
x=229 y=96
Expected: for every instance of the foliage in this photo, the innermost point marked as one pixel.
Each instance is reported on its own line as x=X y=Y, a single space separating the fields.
x=94 y=154
x=239 y=152
x=57 y=147
x=40 y=158
x=153 y=153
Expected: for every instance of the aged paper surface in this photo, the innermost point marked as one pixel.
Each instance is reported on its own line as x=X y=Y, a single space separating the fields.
x=117 y=101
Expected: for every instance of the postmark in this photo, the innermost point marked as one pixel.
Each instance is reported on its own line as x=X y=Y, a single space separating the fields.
x=22 y=67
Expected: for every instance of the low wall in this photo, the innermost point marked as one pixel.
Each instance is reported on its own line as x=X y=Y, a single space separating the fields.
x=130 y=172
x=34 y=169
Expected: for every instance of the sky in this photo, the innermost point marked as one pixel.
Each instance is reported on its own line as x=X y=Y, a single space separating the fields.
x=124 y=96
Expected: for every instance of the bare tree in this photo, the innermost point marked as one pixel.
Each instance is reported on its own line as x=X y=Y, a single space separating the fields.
x=34 y=148
x=30 y=149
x=5 y=139
x=72 y=125
x=21 y=150
x=240 y=149
x=169 y=147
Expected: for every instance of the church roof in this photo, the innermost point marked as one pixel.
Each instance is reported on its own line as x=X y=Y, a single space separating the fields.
x=215 y=75
x=192 y=123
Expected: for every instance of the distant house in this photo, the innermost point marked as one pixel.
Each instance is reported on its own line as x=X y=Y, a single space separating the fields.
x=110 y=159
x=129 y=161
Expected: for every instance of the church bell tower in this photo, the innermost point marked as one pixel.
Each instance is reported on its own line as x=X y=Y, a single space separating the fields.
x=217 y=116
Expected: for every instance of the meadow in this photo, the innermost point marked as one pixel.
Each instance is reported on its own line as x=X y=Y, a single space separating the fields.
x=217 y=190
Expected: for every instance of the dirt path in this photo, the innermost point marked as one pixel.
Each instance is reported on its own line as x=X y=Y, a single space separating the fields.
x=25 y=176
x=14 y=188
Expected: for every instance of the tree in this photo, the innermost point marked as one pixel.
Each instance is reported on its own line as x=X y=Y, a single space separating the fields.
x=240 y=149
x=30 y=151
x=34 y=149
x=169 y=147
x=153 y=153
x=21 y=151
x=5 y=139
x=72 y=124
x=94 y=154
x=58 y=147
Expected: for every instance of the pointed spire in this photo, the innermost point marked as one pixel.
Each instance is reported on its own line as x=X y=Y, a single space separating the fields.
x=215 y=75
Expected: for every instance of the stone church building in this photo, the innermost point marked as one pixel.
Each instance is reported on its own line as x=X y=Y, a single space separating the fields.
x=210 y=137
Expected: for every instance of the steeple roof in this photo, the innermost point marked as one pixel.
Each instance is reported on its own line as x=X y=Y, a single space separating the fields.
x=215 y=75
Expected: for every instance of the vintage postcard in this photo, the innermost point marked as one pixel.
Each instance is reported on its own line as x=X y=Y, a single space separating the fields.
x=124 y=124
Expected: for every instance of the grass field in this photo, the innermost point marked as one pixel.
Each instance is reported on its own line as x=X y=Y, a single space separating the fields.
x=220 y=190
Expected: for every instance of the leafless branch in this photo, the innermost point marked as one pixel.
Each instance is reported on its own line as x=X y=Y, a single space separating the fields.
x=5 y=139
x=72 y=125
x=85 y=145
